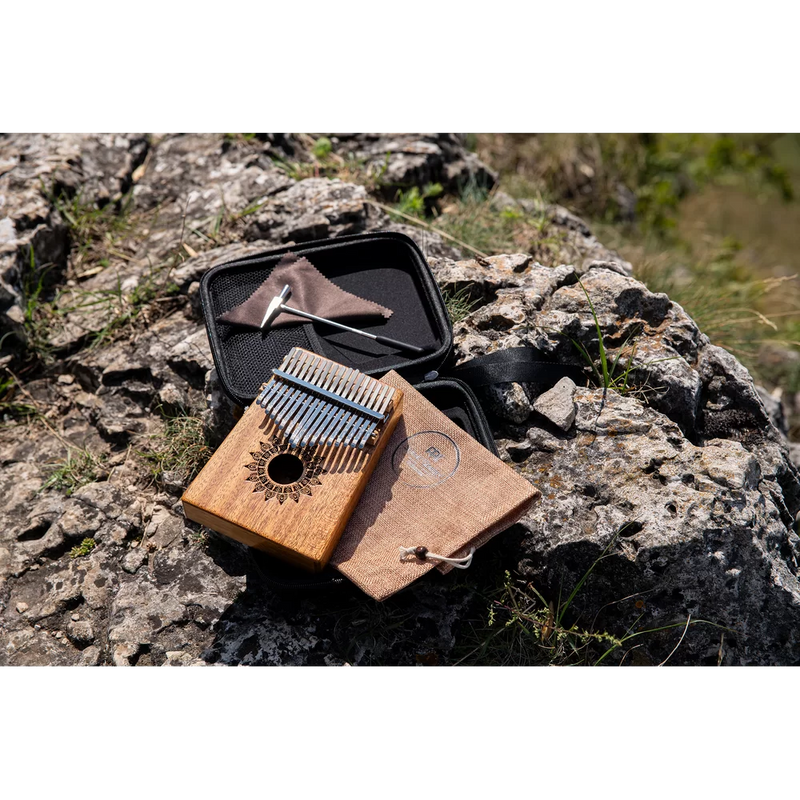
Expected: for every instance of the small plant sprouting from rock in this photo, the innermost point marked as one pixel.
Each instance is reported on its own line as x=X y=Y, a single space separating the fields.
x=182 y=447
x=322 y=147
x=606 y=376
x=414 y=202
x=96 y=232
x=458 y=303
x=83 y=549
x=611 y=374
x=79 y=468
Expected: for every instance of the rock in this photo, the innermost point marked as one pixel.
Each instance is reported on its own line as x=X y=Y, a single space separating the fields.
x=690 y=529
x=681 y=478
x=36 y=168
x=399 y=161
x=557 y=404
x=331 y=208
x=80 y=633
x=133 y=560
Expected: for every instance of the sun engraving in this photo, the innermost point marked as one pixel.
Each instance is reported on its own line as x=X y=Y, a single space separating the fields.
x=268 y=471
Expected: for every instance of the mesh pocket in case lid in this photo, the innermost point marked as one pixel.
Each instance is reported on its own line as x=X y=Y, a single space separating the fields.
x=384 y=267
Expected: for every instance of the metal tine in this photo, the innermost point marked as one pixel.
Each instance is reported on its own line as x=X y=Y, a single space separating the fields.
x=356 y=434
x=339 y=375
x=280 y=387
x=347 y=418
x=322 y=433
x=330 y=382
x=356 y=421
x=320 y=415
x=292 y=392
x=307 y=368
x=328 y=412
x=274 y=383
x=303 y=400
x=380 y=402
x=384 y=405
x=264 y=391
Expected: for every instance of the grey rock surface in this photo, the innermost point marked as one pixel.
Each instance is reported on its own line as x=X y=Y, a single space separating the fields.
x=415 y=159
x=681 y=476
x=686 y=478
x=558 y=404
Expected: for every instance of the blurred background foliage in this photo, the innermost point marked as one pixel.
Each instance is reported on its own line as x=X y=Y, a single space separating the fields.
x=713 y=219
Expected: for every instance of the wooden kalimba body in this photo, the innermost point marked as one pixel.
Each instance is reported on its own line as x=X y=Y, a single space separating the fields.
x=289 y=475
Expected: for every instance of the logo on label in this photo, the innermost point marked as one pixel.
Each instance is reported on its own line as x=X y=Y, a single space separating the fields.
x=427 y=458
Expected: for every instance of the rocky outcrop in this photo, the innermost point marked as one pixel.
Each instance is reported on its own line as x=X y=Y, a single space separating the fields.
x=678 y=474
x=680 y=471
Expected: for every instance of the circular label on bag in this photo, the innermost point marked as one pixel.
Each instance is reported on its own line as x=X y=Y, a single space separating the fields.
x=426 y=459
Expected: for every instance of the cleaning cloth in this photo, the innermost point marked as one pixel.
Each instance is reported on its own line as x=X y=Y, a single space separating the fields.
x=311 y=292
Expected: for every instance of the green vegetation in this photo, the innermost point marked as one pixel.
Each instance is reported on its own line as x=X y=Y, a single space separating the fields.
x=96 y=233
x=38 y=314
x=324 y=163
x=322 y=148
x=607 y=375
x=9 y=405
x=79 y=468
x=122 y=309
x=416 y=203
x=83 y=549
x=524 y=628
x=737 y=307
x=458 y=303
x=244 y=137
x=98 y=236
x=182 y=447
x=708 y=218
x=619 y=177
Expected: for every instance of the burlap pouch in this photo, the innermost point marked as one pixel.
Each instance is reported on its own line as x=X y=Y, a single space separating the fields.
x=434 y=487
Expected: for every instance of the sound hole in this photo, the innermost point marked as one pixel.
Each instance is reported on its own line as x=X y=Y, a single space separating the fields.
x=285 y=468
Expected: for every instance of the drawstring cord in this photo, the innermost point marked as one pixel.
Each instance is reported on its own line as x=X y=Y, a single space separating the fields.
x=423 y=553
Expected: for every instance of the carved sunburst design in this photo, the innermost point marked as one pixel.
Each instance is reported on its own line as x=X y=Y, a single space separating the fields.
x=259 y=474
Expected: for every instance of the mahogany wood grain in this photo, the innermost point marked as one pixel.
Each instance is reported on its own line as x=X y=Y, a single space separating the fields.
x=305 y=532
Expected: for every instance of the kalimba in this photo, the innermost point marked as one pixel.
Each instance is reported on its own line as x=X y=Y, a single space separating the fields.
x=289 y=475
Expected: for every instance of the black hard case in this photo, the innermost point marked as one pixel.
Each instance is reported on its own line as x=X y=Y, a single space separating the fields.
x=387 y=268
x=383 y=266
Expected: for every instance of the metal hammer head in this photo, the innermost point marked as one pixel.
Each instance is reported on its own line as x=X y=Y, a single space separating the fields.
x=274 y=307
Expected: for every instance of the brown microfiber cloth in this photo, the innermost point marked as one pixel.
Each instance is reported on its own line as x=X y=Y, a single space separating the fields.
x=311 y=291
x=434 y=487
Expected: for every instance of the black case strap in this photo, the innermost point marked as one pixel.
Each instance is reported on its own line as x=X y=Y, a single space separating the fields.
x=515 y=365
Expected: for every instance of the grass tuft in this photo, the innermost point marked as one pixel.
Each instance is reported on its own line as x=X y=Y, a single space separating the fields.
x=79 y=468
x=10 y=407
x=182 y=447
x=459 y=304
x=96 y=232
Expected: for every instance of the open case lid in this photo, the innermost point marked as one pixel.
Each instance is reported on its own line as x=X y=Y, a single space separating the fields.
x=385 y=267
